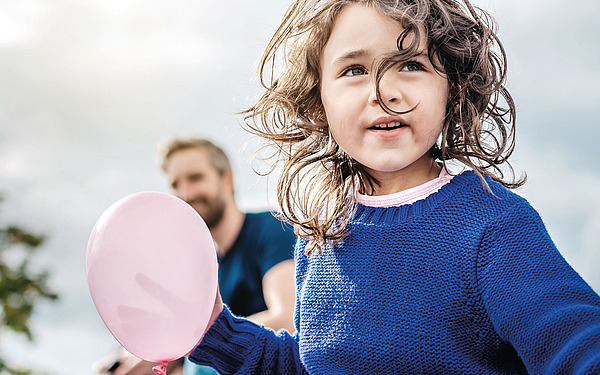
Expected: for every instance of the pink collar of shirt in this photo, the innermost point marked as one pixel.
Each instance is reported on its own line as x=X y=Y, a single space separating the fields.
x=406 y=196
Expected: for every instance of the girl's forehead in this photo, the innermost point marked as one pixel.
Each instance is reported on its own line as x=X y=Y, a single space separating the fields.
x=358 y=16
x=361 y=23
x=398 y=11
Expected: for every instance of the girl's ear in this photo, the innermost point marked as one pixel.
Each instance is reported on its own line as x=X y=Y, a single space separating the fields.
x=318 y=117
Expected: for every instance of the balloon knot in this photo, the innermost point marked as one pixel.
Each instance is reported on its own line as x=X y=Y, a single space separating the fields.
x=160 y=369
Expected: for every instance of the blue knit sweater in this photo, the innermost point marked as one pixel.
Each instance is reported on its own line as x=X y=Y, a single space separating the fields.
x=462 y=282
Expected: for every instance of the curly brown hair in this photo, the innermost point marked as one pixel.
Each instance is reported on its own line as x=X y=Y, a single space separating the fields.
x=317 y=177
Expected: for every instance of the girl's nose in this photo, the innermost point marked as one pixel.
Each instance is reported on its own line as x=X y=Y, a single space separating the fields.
x=389 y=93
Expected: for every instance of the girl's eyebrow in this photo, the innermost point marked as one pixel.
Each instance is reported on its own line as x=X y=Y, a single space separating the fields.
x=363 y=52
x=350 y=56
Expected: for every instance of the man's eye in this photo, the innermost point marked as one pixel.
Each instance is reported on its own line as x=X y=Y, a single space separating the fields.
x=412 y=66
x=196 y=177
x=355 y=71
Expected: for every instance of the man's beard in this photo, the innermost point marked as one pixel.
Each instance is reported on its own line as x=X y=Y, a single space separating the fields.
x=213 y=212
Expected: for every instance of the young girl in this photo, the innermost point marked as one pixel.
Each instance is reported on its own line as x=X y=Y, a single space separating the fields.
x=405 y=267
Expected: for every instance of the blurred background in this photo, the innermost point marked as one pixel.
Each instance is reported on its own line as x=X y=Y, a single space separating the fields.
x=88 y=89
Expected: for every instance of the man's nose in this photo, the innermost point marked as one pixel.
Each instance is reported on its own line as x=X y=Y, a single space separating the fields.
x=183 y=191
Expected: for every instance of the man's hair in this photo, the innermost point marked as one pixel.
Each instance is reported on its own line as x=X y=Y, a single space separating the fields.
x=317 y=177
x=217 y=156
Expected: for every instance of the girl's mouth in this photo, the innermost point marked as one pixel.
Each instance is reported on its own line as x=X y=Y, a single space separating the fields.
x=388 y=126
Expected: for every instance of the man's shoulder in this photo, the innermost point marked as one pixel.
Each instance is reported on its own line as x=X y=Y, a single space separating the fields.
x=268 y=237
x=264 y=218
x=268 y=224
x=261 y=214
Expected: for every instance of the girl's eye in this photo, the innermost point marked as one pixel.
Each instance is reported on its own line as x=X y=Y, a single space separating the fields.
x=412 y=66
x=354 y=71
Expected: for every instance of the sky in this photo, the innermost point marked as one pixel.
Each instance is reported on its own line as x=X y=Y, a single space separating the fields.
x=89 y=89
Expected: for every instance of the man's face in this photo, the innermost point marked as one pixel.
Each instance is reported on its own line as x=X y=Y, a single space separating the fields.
x=193 y=179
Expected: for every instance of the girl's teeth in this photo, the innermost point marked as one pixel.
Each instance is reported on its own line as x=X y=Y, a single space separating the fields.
x=389 y=125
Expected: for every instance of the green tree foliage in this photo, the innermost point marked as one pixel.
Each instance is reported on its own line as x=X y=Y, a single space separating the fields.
x=21 y=287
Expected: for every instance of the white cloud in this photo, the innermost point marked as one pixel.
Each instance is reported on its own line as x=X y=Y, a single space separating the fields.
x=18 y=19
x=89 y=88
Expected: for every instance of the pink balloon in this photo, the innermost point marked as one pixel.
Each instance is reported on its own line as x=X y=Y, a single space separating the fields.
x=152 y=272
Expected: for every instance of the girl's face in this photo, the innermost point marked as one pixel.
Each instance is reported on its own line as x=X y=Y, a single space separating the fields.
x=393 y=149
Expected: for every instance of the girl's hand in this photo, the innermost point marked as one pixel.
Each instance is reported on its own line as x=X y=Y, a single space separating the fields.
x=217 y=309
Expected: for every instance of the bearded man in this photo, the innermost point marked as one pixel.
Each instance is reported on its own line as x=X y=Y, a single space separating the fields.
x=255 y=250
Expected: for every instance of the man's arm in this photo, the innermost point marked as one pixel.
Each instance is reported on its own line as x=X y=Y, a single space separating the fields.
x=279 y=295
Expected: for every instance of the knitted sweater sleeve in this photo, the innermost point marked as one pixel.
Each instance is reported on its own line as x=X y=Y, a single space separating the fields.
x=235 y=345
x=534 y=299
